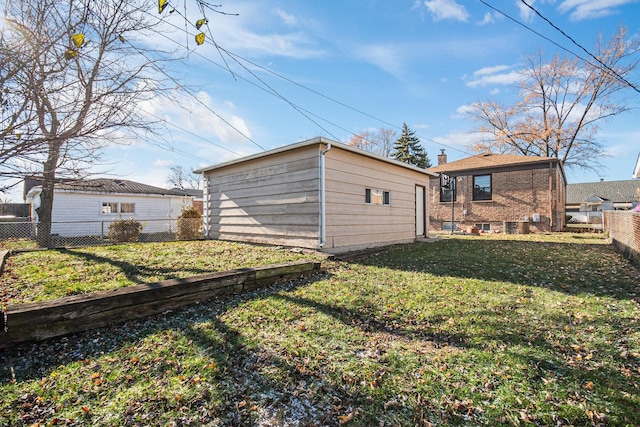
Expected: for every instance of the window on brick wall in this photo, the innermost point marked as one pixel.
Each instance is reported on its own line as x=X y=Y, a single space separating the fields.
x=482 y=187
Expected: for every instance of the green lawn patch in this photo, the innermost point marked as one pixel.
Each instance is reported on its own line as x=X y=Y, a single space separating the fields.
x=54 y=273
x=463 y=331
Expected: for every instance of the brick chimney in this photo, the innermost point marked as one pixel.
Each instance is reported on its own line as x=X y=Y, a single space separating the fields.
x=442 y=158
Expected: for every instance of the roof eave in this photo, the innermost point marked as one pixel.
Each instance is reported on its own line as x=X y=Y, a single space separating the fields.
x=309 y=142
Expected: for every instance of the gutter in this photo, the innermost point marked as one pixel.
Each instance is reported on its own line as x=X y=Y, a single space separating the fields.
x=323 y=223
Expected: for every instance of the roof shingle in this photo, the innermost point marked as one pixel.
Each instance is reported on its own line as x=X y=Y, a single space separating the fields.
x=118 y=186
x=490 y=160
x=614 y=191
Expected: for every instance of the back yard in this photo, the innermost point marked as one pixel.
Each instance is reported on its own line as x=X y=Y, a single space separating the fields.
x=537 y=330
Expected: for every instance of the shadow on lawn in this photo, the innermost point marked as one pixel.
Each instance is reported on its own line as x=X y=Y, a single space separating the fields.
x=245 y=369
x=248 y=371
x=136 y=273
x=570 y=268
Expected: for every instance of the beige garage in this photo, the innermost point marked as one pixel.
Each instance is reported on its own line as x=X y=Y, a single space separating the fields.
x=317 y=194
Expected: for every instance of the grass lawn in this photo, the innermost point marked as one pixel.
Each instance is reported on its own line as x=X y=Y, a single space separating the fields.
x=54 y=273
x=537 y=330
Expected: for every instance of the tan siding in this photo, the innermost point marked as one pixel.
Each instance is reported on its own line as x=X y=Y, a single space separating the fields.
x=269 y=200
x=353 y=223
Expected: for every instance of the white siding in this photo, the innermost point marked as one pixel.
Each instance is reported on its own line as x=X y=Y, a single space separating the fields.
x=80 y=214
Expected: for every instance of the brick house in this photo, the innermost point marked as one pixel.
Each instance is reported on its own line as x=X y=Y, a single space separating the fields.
x=498 y=192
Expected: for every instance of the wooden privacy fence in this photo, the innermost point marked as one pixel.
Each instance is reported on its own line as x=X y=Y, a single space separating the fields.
x=623 y=228
x=47 y=319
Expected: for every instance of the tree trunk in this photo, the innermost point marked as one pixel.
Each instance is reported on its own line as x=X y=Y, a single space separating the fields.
x=43 y=236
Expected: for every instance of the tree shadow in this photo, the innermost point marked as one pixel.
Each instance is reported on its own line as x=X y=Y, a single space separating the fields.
x=136 y=273
x=569 y=268
x=249 y=371
x=244 y=371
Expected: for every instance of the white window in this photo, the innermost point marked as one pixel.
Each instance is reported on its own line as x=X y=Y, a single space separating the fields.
x=109 y=207
x=127 y=207
x=377 y=197
x=115 y=207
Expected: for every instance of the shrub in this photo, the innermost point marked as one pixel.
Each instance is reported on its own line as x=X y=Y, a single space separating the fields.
x=189 y=224
x=125 y=230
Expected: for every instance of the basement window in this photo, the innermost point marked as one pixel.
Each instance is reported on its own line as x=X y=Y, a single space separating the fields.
x=377 y=197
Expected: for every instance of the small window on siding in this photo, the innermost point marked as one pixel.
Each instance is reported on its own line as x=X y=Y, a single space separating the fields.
x=127 y=207
x=109 y=207
x=386 y=198
x=377 y=197
x=367 y=195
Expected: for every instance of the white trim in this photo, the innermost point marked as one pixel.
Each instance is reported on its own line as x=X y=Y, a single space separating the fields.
x=310 y=142
x=323 y=213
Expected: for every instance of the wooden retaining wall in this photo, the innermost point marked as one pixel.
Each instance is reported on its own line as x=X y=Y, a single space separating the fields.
x=47 y=319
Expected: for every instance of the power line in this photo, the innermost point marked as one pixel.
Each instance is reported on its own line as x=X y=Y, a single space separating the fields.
x=581 y=47
x=557 y=44
x=238 y=58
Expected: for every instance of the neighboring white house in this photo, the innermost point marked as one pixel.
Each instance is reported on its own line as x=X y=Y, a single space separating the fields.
x=636 y=170
x=586 y=201
x=87 y=207
x=316 y=194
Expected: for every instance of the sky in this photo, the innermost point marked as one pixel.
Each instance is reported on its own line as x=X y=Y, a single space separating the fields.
x=302 y=69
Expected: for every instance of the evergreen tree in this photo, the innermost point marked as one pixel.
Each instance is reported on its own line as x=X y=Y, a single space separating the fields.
x=408 y=149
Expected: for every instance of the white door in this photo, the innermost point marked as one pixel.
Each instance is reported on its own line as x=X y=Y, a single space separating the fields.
x=419 y=210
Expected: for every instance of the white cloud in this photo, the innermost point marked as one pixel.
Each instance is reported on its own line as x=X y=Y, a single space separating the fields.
x=590 y=9
x=490 y=70
x=526 y=14
x=462 y=111
x=447 y=9
x=488 y=18
x=496 y=75
x=386 y=57
x=162 y=163
x=456 y=140
x=256 y=32
x=287 y=18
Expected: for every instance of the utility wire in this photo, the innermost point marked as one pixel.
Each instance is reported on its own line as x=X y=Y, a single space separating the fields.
x=581 y=47
x=557 y=44
x=238 y=58
x=270 y=88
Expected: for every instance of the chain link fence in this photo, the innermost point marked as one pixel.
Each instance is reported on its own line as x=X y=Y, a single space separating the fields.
x=21 y=233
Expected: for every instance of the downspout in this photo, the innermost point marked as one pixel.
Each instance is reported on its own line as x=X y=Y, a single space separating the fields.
x=323 y=223
x=551 y=200
x=205 y=208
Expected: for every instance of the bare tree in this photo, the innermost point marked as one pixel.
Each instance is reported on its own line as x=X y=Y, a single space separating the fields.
x=562 y=103
x=180 y=178
x=75 y=74
x=378 y=142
